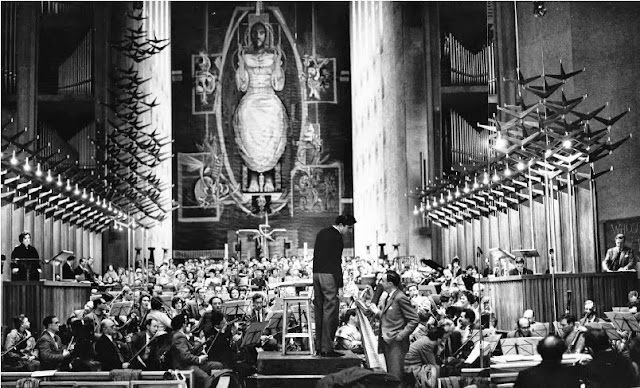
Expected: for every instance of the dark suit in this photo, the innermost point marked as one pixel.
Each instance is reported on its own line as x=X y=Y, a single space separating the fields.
x=184 y=355
x=451 y=344
x=108 y=354
x=618 y=258
x=148 y=355
x=67 y=272
x=327 y=279
x=548 y=374
x=398 y=319
x=525 y=271
x=50 y=351
x=261 y=316
x=219 y=346
x=27 y=270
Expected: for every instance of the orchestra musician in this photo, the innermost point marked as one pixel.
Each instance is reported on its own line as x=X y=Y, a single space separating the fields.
x=51 y=352
x=144 y=347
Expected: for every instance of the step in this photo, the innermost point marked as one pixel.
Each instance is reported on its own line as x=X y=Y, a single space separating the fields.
x=283 y=381
x=274 y=363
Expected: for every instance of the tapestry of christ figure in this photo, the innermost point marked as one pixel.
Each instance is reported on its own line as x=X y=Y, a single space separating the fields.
x=260 y=120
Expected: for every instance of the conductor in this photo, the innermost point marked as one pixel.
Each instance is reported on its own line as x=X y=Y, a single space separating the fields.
x=327 y=279
x=25 y=269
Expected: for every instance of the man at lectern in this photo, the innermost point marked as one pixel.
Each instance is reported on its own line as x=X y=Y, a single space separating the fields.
x=520 y=269
x=27 y=269
x=619 y=258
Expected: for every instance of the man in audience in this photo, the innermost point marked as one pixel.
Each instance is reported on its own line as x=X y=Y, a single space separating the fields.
x=620 y=257
x=571 y=333
x=52 y=354
x=398 y=319
x=590 y=313
x=549 y=373
x=608 y=368
x=184 y=355
x=523 y=329
x=107 y=350
x=469 y=277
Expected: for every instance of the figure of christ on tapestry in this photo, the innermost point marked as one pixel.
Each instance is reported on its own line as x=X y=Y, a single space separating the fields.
x=260 y=119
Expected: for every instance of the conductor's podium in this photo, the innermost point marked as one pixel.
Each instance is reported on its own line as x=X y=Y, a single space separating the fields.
x=297 y=369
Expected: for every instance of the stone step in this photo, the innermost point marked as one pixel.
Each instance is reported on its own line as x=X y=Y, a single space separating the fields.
x=283 y=381
x=274 y=363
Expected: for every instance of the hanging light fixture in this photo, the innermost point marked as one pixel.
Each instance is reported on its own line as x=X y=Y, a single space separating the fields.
x=68 y=186
x=110 y=208
x=49 y=177
x=566 y=143
x=38 y=170
x=495 y=177
x=91 y=197
x=485 y=181
x=441 y=197
x=77 y=190
x=13 y=160
x=466 y=187
x=520 y=166
x=104 y=203
x=475 y=183
x=84 y=193
x=458 y=190
x=449 y=196
x=507 y=171
x=435 y=202
x=501 y=143
x=59 y=182
x=27 y=166
x=415 y=210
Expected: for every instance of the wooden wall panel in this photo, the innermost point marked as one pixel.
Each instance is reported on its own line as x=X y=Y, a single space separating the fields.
x=586 y=233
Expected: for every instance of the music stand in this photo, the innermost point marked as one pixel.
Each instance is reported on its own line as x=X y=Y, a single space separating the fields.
x=275 y=320
x=540 y=329
x=620 y=309
x=58 y=259
x=489 y=346
x=236 y=307
x=121 y=308
x=524 y=346
x=427 y=290
x=528 y=253
x=608 y=327
x=623 y=321
x=253 y=333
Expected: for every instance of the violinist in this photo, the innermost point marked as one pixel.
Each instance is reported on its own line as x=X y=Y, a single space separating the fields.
x=220 y=339
x=159 y=313
x=144 y=346
x=140 y=311
x=49 y=346
x=98 y=314
x=20 y=347
x=108 y=350
x=184 y=355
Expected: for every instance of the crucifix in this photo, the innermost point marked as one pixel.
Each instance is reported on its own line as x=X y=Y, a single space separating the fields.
x=263 y=234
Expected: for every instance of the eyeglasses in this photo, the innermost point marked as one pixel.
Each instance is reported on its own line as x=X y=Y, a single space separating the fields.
x=55 y=322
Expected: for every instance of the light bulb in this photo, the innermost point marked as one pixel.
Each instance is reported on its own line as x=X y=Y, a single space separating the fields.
x=520 y=166
x=27 y=166
x=14 y=160
x=49 y=177
x=91 y=197
x=475 y=183
x=84 y=193
x=449 y=197
x=104 y=203
x=428 y=206
x=458 y=191
x=77 y=190
x=442 y=198
x=59 y=182
x=485 y=181
x=435 y=203
x=566 y=143
x=110 y=208
x=415 y=210
x=495 y=177
x=547 y=153
x=501 y=142
x=38 y=170
x=507 y=171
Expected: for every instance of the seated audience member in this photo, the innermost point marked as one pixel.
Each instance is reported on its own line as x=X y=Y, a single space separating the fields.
x=523 y=329
x=608 y=368
x=590 y=313
x=520 y=269
x=469 y=277
x=52 y=354
x=348 y=336
x=549 y=373
x=107 y=349
x=421 y=360
x=571 y=333
x=185 y=355
x=144 y=347
x=20 y=347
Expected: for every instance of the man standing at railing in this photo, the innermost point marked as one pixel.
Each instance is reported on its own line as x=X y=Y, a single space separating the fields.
x=327 y=280
x=398 y=319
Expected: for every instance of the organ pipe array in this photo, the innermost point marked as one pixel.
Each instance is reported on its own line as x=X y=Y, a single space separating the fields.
x=467 y=68
x=468 y=143
x=65 y=7
x=9 y=68
x=75 y=74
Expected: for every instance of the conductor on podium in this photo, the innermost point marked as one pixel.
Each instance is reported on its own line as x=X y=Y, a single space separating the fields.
x=25 y=263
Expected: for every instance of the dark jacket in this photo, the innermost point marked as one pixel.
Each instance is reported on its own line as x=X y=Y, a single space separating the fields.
x=609 y=369
x=108 y=354
x=183 y=353
x=548 y=374
x=327 y=252
x=50 y=351
x=149 y=355
x=525 y=271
